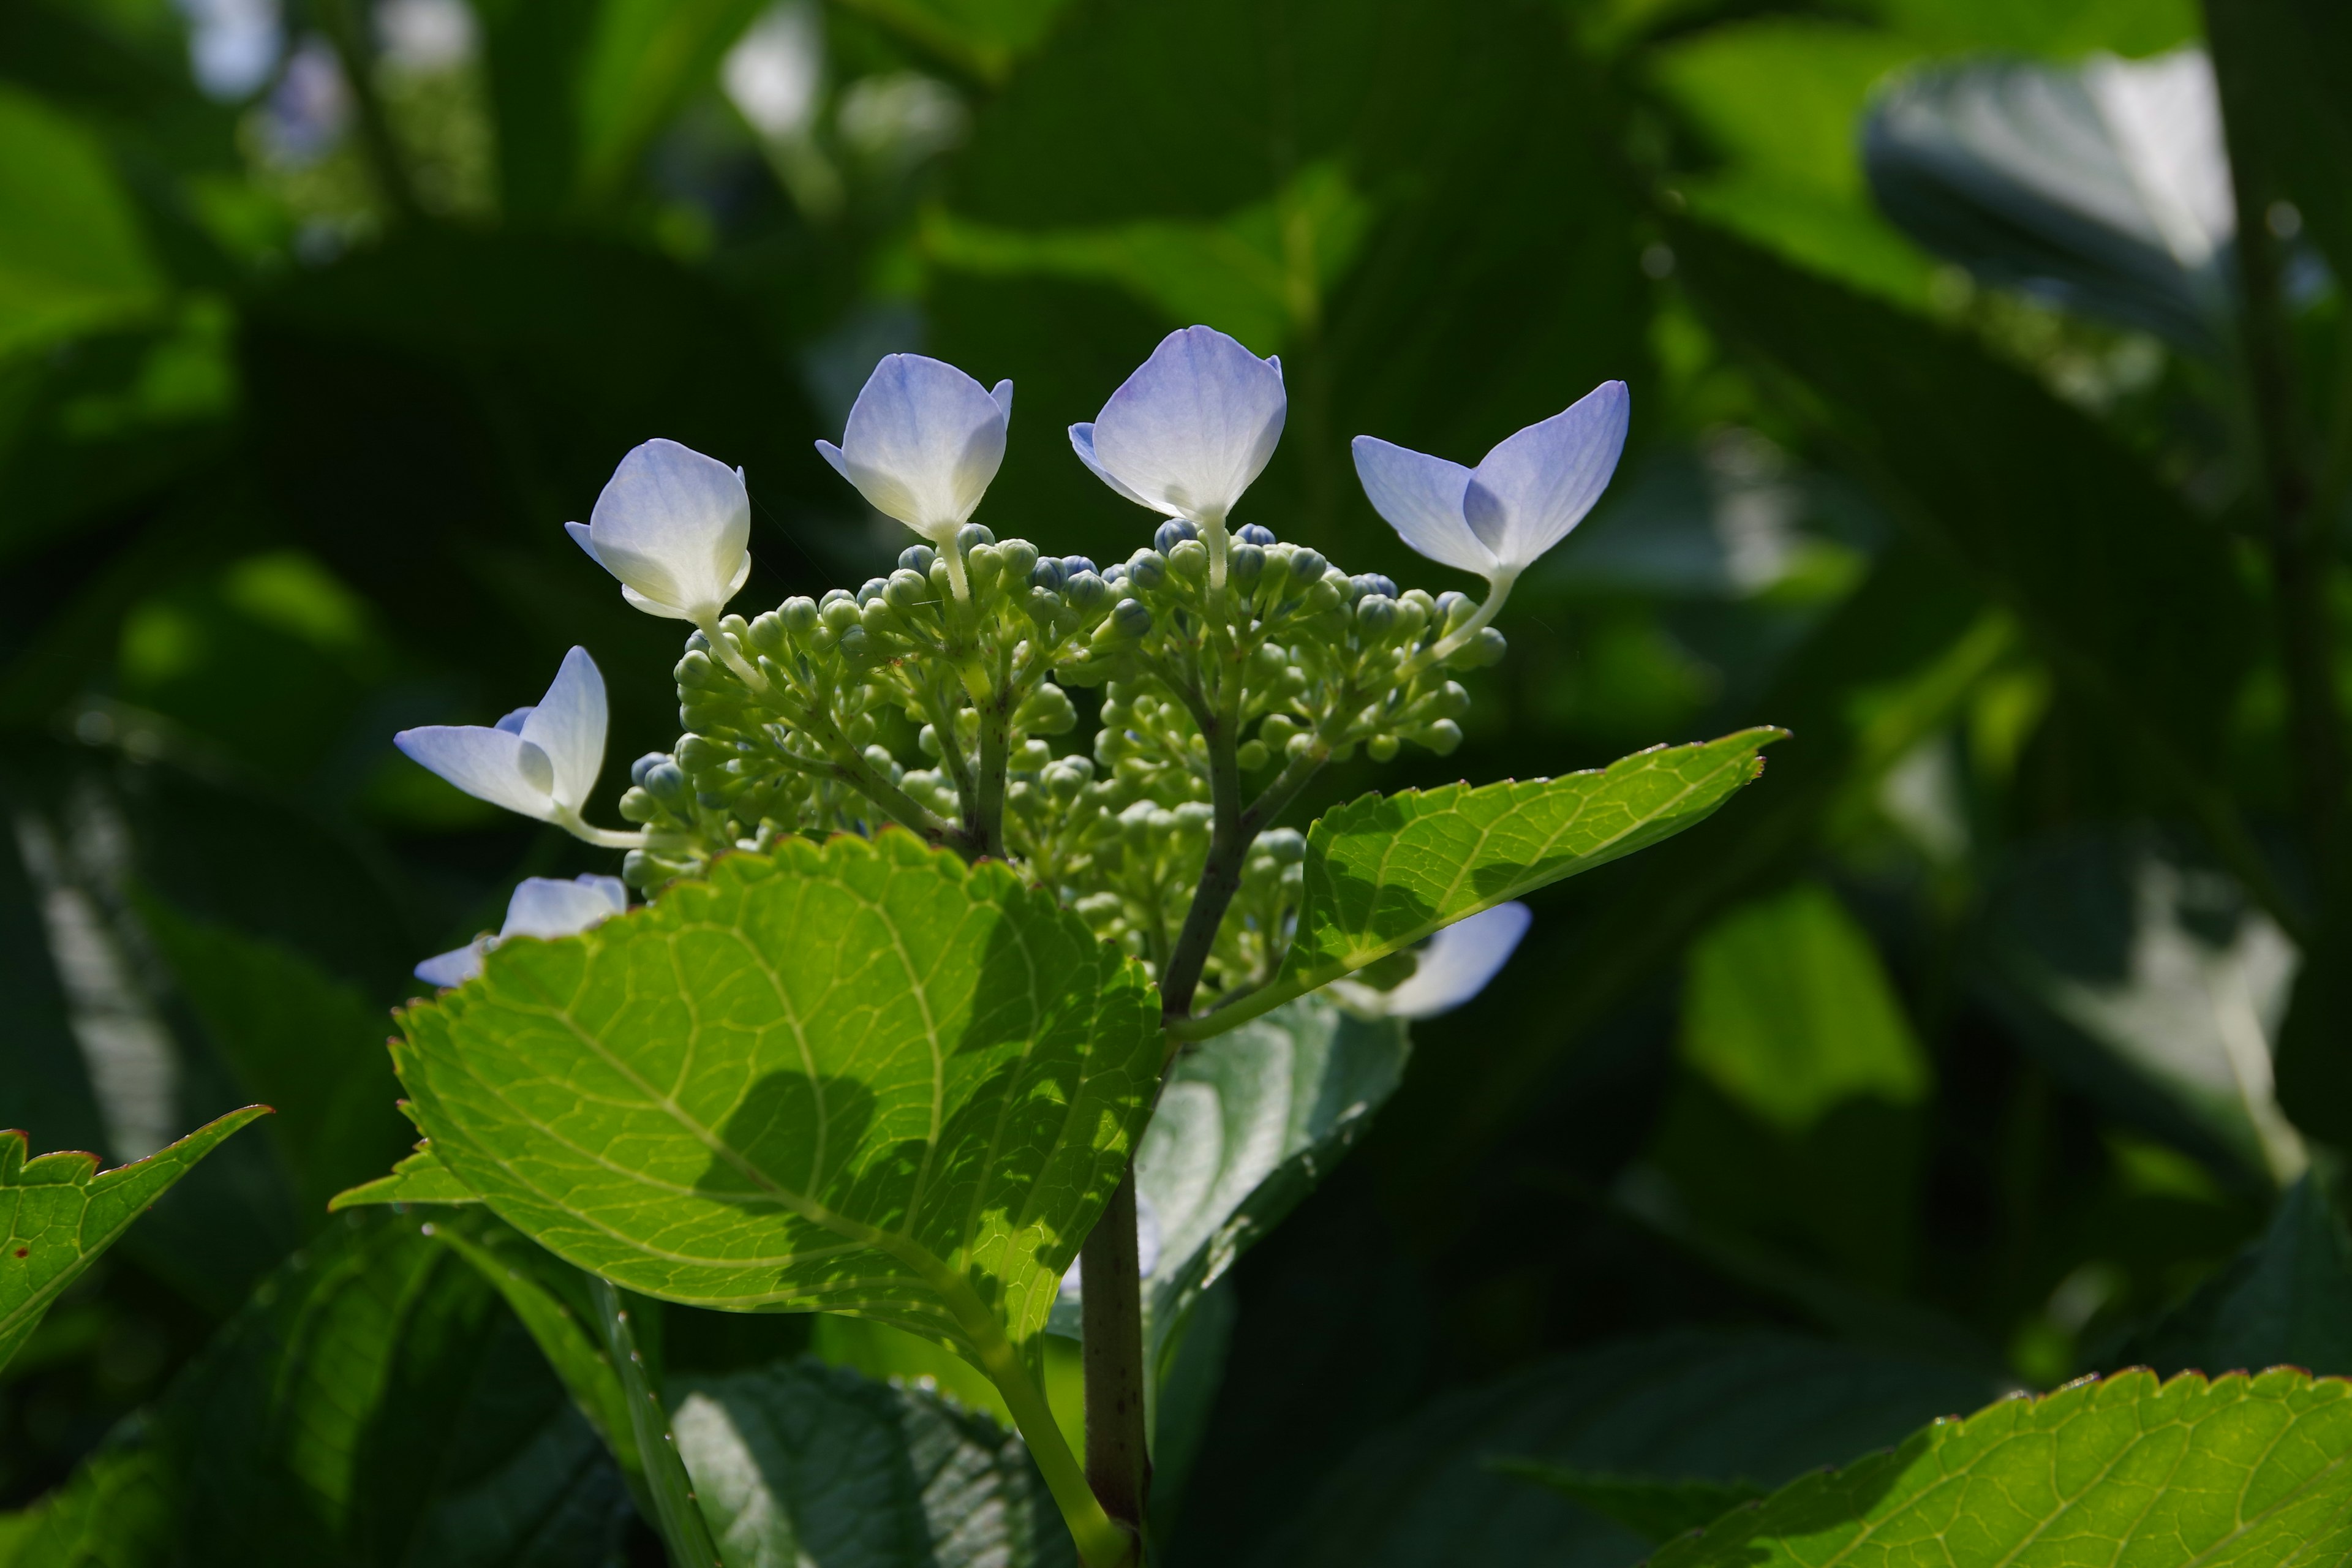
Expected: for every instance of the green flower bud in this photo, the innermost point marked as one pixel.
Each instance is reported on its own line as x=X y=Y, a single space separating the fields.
x=1487 y=649
x=1324 y=597
x=1020 y=558
x=1100 y=910
x=1148 y=570
x=1450 y=701
x=1086 y=591
x=1441 y=737
x=856 y=647
x=839 y=615
x=767 y=632
x=1298 y=745
x=907 y=590
x=878 y=618
x=1032 y=755
x=1190 y=559
x=918 y=558
x=927 y=740
x=1412 y=617
x=696 y=672
x=1252 y=755
x=1381 y=748
x=1278 y=730
x=1455 y=609
x=1128 y=622
x=1245 y=563
x=1287 y=845
x=1194 y=818
x=637 y=806
x=987 y=568
x=860 y=730
x=1047 y=710
x=872 y=589
x=1376 y=617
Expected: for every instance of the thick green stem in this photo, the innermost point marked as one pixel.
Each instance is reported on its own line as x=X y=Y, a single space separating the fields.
x=986 y=825
x=1118 y=1456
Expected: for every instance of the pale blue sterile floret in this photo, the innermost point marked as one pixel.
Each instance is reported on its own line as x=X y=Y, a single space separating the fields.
x=1453 y=967
x=1521 y=500
x=675 y=528
x=1189 y=431
x=923 y=442
x=540 y=760
x=541 y=907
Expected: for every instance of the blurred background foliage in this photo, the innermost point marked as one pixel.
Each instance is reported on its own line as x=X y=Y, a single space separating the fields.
x=1941 y=1062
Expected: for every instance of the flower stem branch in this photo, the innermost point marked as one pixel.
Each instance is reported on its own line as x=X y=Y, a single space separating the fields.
x=1118 y=1455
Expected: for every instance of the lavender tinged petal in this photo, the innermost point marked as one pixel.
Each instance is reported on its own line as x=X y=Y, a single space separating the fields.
x=1421 y=497
x=1189 y=431
x=452 y=968
x=673 y=527
x=923 y=443
x=1537 y=485
x=1458 y=963
x=496 y=765
x=548 y=907
x=569 y=725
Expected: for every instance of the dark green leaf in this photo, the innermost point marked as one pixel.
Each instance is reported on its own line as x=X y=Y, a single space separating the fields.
x=1715 y=1407
x=62 y=1214
x=2132 y=597
x=2281 y=65
x=2281 y=1303
x=2240 y=1471
x=310 y=1045
x=800 y=1462
x=1653 y=1509
x=71 y=254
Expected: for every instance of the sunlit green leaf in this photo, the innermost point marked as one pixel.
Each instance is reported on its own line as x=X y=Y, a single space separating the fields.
x=860 y=1079
x=421 y=1178
x=800 y=1462
x=62 y=1214
x=1385 y=871
x=2237 y=1471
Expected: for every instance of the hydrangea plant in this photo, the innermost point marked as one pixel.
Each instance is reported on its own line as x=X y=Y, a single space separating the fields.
x=889 y=1033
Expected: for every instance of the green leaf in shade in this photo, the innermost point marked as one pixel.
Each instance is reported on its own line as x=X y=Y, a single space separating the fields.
x=1385 y=871
x=684 y=1529
x=1248 y=1124
x=71 y=252
x=1799 y=1125
x=2282 y=1301
x=1788 y=1011
x=310 y=1045
x=62 y=1214
x=644 y=59
x=2127 y=1470
x=554 y=1311
x=2148 y=982
x=1657 y=1510
x=2281 y=68
x=1690 y=1405
x=419 y=1179
x=375 y=1403
x=2130 y=595
x=800 y=1462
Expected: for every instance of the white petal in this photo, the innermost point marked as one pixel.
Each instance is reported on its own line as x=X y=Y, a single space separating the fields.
x=1193 y=426
x=637 y=601
x=546 y=907
x=1537 y=485
x=674 y=525
x=1082 y=441
x=923 y=442
x=2165 y=116
x=454 y=967
x=832 y=454
x=569 y=725
x=496 y=765
x=585 y=539
x=1420 y=496
x=1002 y=393
x=1458 y=963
